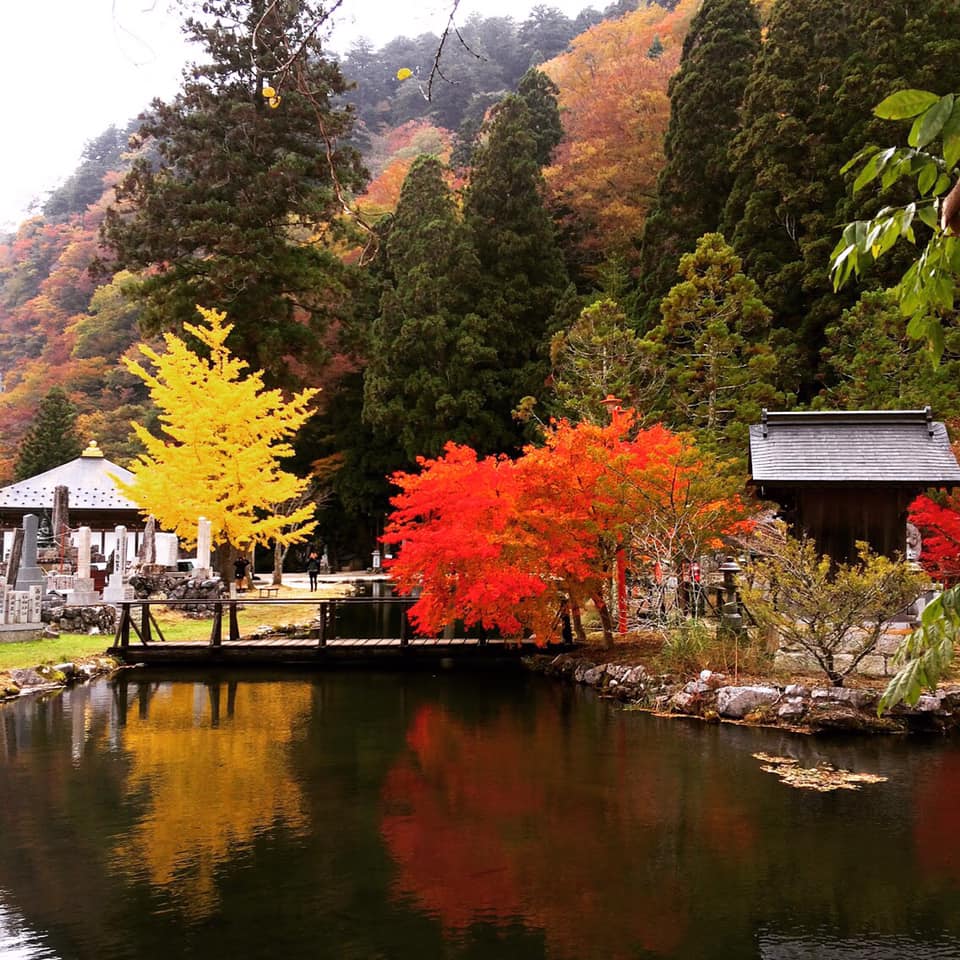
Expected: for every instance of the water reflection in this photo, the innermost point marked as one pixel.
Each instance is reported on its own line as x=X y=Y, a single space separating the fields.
x=640 y=837
x=358 y=815
x=209 y=772
x=516 y=820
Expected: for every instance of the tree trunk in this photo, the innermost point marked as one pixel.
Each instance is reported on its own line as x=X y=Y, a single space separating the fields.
x=279 y=556
x=606 y=621
x=578 y=630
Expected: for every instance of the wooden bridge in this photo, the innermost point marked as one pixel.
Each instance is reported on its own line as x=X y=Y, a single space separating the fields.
x=345 y=631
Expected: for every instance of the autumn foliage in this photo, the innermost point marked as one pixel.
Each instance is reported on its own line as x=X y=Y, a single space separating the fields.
x=615 y=108
x=221 y=443
x=939 y=522
x=504 y=543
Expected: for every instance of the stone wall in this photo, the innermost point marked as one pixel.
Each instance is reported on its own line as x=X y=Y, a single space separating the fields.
x=96 y=618
x=172 y=587
x=878 y=663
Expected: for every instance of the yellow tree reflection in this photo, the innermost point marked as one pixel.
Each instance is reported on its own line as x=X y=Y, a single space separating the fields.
x=209 y=783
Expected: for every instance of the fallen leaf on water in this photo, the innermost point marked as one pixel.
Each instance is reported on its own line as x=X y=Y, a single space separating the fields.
x=822 y=778
x=770 y=758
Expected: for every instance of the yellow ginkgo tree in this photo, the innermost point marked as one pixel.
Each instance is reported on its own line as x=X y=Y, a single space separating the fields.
x=221 y=443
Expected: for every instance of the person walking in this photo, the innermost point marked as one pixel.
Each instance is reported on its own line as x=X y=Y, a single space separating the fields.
x=313 y=568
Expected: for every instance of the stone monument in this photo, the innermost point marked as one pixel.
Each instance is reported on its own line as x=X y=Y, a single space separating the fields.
x=29 y=575
x=84 y=593
x=118 y=590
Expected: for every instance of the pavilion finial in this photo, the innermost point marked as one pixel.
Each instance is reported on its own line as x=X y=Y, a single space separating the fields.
x=92 y=450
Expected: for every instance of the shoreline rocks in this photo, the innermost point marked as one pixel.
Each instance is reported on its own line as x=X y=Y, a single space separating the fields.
x=712 y=697
x=22 y=681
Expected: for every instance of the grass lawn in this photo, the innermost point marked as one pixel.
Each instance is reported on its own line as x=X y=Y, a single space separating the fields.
x=68 y=646
x=174 y=626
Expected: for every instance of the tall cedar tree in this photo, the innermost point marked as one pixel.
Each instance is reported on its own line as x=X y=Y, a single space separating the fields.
x=871 y=363
x=52 y=439
x=803 y=117
x=244 y=188
x=523 y=274
x=430 y=366
x=540 y=94
x=705 y=96
x=719 y=369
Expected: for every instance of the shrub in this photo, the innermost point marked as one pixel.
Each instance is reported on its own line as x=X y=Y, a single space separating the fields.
x=835 y=612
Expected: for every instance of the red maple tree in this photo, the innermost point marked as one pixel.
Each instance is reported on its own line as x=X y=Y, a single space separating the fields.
x=508 y=544
x=939 y=522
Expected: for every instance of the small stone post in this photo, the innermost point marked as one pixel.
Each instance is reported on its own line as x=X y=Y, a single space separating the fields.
x=83 y=553
x=120 y=549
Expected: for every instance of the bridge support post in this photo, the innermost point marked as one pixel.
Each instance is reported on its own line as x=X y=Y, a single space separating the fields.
x=145 y=637
x=122 y=638
x=234 y=626
x=216 y=631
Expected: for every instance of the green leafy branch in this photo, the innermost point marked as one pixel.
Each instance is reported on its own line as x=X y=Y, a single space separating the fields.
x=927 y=289
x=927 y=653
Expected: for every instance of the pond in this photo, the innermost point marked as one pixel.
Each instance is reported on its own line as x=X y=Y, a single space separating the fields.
x=411 y=815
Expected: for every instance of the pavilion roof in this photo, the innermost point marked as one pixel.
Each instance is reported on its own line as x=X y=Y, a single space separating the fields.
x=89 y=478
x=852 y=447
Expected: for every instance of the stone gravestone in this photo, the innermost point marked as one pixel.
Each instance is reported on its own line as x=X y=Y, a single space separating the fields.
x=118 y=590
x=29 y=575
x=148 y=549
x=83 y=593
x=13 y=560
x=167 y=550
x=61 y=519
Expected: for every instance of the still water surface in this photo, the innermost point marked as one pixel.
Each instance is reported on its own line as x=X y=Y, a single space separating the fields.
x=358 y=815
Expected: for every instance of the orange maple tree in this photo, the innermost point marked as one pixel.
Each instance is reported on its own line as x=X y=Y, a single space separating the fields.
x=509 y=543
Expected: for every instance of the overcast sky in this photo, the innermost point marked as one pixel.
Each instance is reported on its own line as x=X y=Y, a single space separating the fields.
x=73 y=67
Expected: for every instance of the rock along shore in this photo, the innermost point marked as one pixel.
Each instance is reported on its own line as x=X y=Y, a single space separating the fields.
x=26 y=680
x=712 y=697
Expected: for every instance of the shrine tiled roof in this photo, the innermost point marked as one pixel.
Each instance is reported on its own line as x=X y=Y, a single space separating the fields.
x=89 y=479
x=852 y=447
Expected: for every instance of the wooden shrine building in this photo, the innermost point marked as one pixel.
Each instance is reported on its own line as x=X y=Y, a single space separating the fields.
x=848 y=476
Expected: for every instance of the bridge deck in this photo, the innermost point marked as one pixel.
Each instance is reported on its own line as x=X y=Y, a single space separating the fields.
x=343 y=651
x=318 y=644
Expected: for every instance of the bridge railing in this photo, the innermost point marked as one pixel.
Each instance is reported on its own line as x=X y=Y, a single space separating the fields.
x=342 y=617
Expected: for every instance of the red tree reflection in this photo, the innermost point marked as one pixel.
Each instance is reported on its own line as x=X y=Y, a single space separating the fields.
x=505 y=821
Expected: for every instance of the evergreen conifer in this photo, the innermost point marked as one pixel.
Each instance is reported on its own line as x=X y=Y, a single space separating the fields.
x=719 y=369
x=803 y=118
x=52 y=439
x=522 y=269
x=244 y=186
x=429 y=361
x=705 y=95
